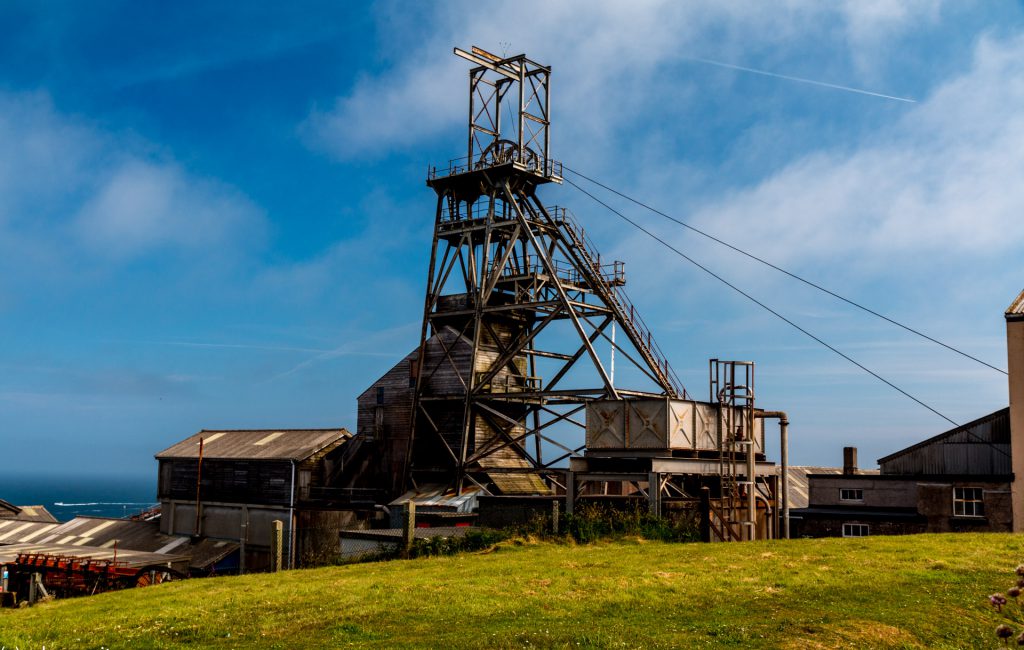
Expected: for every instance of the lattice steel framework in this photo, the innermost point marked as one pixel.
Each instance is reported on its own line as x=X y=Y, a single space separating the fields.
x=517 y=290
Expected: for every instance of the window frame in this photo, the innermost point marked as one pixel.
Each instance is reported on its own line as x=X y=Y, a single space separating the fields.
x=975 y=505
x=857 y=499
x=848 y=527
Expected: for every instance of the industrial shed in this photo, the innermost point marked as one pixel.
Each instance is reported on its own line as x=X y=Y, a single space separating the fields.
x=11 y=512
x=243 y=480
x=958 y=480
x=970 y=478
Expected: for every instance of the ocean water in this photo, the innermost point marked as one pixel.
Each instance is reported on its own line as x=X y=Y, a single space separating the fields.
x=67 y=497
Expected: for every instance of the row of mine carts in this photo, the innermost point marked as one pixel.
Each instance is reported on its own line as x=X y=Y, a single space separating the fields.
x=37 y=576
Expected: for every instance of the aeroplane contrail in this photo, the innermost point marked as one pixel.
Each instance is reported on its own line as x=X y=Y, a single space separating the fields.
x=860 y=91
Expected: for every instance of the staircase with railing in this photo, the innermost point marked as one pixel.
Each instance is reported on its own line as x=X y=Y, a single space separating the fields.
x=612 y=293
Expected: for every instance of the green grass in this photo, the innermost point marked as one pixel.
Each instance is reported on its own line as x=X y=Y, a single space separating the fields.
x=925 y=591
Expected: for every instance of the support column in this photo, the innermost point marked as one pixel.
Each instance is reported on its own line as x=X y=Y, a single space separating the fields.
x=1015 y=368
x=570 y=492
x=654 y=493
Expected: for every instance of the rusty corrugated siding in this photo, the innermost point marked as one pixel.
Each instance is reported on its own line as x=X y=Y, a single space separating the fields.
x=261 y=444
x=981 y=447
x=1016 y=308
x=16 y=531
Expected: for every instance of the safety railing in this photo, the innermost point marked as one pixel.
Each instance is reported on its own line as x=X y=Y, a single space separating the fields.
x=546 y=167
x=508 y=383
x=532 y=265
x=642 y=331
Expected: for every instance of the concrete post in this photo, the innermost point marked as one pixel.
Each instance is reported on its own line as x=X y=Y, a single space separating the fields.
x=276 y=545
x=556 y=515
x=408 y=528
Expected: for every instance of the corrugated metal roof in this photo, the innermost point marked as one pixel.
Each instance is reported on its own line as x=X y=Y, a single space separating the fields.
x=16 y=531
x=259 y=444
x=799 y=483
x=440 y=498
x=130 y=535
x=9 y=554
x=104 y=532
x=1016 y=308
x=983 y=436
x=35 y=513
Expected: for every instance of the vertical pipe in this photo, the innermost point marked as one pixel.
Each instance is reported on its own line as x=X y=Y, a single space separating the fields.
x=784 y=453
x=751 y=480
x=199 y=478
x=784 y=458
x=291 y=523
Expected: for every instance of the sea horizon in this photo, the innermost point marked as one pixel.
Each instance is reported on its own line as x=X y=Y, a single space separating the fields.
x=67 y=497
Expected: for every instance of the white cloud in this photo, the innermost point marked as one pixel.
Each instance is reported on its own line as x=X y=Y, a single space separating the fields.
x=947 y=179
x=69 y=190
x=142 y=205
x=614 y=50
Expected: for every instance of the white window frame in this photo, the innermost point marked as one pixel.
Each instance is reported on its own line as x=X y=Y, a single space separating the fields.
x=856 y=530
x=972 y=507
x=859 y=499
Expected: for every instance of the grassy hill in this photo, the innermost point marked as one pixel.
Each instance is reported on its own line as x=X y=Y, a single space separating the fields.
x=888 y=592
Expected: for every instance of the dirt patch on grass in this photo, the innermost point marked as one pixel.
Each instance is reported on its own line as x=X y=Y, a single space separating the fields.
x=853 y=634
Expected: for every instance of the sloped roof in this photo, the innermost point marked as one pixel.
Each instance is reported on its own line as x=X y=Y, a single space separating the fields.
x=103 y=532
x=256 y=444
x=962 y=433
x=799 y=481
x=8 y=554
x=1016 y=309
x=35 y=513
x=16 y=531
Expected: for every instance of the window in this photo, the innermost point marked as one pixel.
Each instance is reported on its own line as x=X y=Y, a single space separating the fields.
x=380 y=396
x=856 y=530
x=851 y=494
x=968 y=502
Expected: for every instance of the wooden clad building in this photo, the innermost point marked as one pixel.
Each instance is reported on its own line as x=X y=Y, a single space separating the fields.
x=956 y=481
x=385 y=415
x=246 y=480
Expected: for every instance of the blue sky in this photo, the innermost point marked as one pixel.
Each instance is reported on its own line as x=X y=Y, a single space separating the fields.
x=216 y=217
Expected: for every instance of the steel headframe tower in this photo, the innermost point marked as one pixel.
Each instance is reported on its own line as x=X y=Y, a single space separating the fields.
x=514 y=289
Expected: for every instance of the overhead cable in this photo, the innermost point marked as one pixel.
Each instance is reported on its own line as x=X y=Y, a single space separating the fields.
x=775 y=313
x=781 y=270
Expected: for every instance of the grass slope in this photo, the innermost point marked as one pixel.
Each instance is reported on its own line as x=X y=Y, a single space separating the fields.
x=923 y=591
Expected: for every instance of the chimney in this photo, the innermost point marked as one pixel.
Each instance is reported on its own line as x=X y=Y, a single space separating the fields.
x=1015 y=369
x=849 y=460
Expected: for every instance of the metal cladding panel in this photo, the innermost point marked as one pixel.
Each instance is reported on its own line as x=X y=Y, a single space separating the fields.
x=656 y=424
x=606 y=428
x=680 y=425
x=646 y=424
x=291 y=444
x=980 y=447
x=705 y=426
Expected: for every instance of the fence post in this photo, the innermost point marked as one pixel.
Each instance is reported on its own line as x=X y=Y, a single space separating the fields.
x=276 y=543
x=556 y=514
x=705 y=514
x=408 y=528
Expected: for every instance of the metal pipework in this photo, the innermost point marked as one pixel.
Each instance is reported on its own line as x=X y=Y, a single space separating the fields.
x=784 y=455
